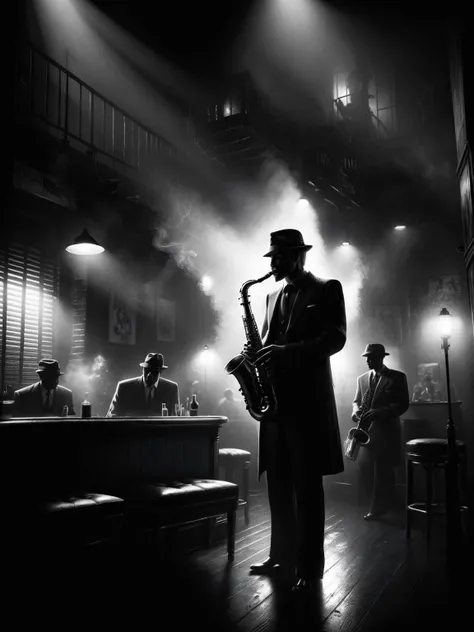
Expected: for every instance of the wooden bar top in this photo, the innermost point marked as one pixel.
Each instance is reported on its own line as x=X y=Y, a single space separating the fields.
x=174 y=421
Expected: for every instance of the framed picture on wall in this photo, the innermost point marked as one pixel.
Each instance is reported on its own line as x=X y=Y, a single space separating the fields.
x=445 y=289
x=122 y=320
x=165 y=320
x=428 y=368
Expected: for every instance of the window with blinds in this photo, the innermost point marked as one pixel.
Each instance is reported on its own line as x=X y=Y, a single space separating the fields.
x=28 y=287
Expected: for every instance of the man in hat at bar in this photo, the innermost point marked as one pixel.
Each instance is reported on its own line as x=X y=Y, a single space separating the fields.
x=305 y=324
x=381 y=397
x=143 y=396
x=45 y=398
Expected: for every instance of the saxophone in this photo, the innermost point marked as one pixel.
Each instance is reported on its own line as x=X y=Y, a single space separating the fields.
x=359 y=436
x=255 y=382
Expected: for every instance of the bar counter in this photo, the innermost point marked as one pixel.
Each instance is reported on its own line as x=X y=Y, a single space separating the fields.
x=54 y=453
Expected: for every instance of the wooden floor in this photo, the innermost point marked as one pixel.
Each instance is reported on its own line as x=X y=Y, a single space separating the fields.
x=373 y=581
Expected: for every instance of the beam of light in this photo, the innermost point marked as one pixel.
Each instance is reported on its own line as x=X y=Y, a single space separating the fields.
x=234 y=252
x=202 y=240
x=110 y=60
x=287 y=48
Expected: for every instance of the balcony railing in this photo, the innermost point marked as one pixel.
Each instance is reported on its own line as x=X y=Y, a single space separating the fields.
x=73 y=110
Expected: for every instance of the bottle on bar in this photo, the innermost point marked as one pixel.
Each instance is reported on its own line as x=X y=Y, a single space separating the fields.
x=86 y=407
x=194 y=406
x=186 y=408
x=164 y=410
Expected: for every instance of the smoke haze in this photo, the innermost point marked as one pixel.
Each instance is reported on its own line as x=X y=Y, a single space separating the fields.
x=230 y=252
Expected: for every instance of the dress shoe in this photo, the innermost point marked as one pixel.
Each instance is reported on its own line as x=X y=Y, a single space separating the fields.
x=266 y=567
x=374 y=515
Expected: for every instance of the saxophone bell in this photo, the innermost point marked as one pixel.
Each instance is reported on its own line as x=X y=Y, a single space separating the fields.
x=356 y=437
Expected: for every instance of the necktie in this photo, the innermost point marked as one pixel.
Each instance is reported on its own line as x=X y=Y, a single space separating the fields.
x=150 y=397
x=368 y=395
x=48 y=400
x=287 y=300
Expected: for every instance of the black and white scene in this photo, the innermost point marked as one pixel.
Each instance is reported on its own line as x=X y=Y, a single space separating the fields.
x=237 y=316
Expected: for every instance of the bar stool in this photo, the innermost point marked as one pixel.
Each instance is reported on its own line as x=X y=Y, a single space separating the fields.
x=236 y=464
x=430 y=454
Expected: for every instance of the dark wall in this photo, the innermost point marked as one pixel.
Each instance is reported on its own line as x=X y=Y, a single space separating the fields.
x=194 y=324
x=461 y=75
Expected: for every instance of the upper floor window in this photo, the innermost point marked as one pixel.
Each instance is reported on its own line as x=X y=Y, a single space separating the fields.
x=382 y=105
x=229 y=106
x=366 y=100
x=341 y=91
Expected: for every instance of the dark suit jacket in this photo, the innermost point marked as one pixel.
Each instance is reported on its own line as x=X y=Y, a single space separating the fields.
x=129 y=399
x=303 y=380
x=29 y=402
x=391 y=399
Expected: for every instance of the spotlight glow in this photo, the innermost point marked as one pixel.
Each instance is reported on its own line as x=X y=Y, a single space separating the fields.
x=399 y=227
x=345 y=243
x=206 y=283
x=207 y=359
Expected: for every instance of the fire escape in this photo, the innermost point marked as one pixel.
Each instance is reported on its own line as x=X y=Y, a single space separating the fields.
x=333 y=159
x=244 y=130
x=55 y=105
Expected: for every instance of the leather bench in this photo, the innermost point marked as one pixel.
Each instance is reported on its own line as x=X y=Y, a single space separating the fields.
x=163 y=505
x=66 y=522
x=134 y=459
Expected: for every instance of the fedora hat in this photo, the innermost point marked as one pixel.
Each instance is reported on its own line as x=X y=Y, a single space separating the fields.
x=154 y=361
x=374 y=348
x=47 y=365
x=285 y=240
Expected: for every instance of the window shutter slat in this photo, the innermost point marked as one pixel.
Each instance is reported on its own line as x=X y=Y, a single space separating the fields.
x=28 y=283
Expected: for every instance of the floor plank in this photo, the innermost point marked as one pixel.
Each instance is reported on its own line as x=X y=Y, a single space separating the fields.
x=374 y=580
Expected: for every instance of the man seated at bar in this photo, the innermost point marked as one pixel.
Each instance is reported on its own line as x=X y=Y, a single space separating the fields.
x=144 y=396
x=44 y=398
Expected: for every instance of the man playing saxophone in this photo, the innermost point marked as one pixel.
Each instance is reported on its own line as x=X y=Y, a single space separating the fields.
x=305 y=323
x=381 y=397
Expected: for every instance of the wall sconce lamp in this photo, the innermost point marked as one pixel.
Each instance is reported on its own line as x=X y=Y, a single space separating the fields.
x=85 y=244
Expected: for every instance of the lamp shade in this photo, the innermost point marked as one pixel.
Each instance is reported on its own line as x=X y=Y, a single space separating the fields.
x=445 y=324
x=85 y=244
